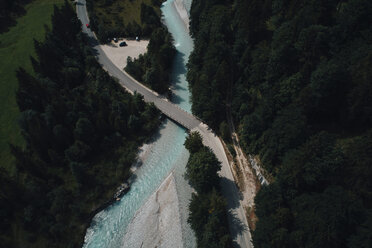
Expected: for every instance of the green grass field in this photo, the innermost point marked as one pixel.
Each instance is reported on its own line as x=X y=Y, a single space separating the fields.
x=16 y=46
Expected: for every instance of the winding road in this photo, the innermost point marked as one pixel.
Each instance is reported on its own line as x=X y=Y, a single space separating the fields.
x=237 y=220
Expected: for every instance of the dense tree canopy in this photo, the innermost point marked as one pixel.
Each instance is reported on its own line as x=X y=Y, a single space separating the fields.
x=296 y=76
x=82 y=131
x=208 y=209
x=9 y=11
x=201 y=170
x=154 y=67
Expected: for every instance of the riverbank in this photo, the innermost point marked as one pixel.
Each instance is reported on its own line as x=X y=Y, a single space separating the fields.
x=157 y=222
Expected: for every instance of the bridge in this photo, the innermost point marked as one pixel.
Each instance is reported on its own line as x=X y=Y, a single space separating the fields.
x=237 y=220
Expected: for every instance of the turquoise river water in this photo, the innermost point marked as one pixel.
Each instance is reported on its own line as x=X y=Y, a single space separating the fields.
x=166 y=154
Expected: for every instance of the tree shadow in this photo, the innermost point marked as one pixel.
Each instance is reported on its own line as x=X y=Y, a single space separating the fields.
x=178 y=69
x=236 y=228
x=234 y=196
x=92 y=41
x=9 y=17
x=132 y=178
x=154 y=138
x=111 y=45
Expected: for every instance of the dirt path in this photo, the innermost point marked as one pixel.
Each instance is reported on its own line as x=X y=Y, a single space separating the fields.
x=244 y=174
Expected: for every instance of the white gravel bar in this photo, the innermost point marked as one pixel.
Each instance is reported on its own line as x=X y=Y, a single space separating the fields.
x=157 y=222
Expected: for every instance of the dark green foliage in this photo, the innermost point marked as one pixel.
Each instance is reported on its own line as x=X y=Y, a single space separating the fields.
x=194 y=142
x=225 y=131
x=149 y=19
x=82 y=132
x=153 y=68
x=209 y=68
x=209 y=221
x=363 y=236
x=9 y=11
x=208 y=215
x=201 y=170
x=322 y=187
x=296 y=76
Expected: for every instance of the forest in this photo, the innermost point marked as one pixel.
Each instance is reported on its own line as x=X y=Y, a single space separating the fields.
x=208 y=208
x=82 y=132
x=296 y=78
x=9 y=11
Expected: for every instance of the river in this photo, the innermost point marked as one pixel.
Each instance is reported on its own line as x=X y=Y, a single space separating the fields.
x=165 y=154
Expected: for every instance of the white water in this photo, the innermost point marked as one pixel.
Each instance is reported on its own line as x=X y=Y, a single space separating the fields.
x=167 y=153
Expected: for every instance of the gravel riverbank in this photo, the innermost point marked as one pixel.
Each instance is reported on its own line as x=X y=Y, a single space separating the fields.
x=157 y=222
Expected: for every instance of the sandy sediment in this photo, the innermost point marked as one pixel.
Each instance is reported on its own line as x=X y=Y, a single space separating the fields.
x=118 y=55
x=182 y=12
x=157 y=222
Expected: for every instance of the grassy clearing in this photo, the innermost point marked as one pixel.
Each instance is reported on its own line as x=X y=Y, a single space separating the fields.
x=16 y=46
x=121 y=12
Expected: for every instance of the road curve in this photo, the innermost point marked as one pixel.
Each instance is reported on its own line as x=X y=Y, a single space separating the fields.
x=237 y=221
x=171 y=110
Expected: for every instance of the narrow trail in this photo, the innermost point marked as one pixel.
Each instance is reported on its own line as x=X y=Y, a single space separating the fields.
x=242 y=170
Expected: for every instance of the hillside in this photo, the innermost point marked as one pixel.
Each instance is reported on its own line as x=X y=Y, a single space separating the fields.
x=82 y=132
x=10 y=10
x=296 y=77
x=15 y=46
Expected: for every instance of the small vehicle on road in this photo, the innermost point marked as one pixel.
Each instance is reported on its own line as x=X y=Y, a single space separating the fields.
x=122 y=44
x=88 y=26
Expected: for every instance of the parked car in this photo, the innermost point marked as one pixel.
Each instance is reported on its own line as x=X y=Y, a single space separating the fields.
x=115 y=40
x=123 y=43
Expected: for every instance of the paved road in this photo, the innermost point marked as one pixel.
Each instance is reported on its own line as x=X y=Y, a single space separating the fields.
x=169 y=109
x=237 y=220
